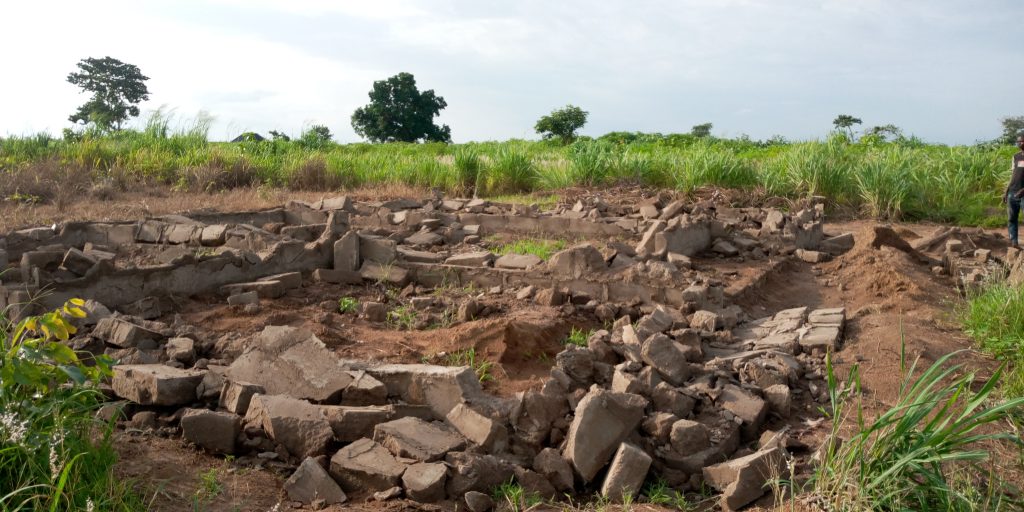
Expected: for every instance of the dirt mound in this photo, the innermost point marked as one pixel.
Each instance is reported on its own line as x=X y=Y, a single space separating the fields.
x=882 y=265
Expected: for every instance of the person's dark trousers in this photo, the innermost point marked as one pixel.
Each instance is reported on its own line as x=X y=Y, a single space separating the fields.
x=1013 y=208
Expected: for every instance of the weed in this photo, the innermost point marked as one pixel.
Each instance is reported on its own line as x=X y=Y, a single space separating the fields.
x=209 y=486
x=540 y=248
x=403 y=318
x=348 y=305
x=994 y=316
x=516 y=497
x=901 y=460
x=468 y=357
x=578 y=337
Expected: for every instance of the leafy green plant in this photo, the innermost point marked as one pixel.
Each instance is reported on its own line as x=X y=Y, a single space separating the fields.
x=468 y=357
x=541 y=248
x=515 y=496
x=403 y=318
x=54 y=453
x=348 y=305
x=209 y=486
x=578 y=337
x=902 y=460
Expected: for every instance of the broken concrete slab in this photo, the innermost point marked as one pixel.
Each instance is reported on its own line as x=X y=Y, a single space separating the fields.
x=577 y=261
x=289 y=361
x=627 y=472
x=550 y=464
x=479 y=428
x=365 y=467
x=379 y=250
x=236 y=395
x=424 y=482
x=471 y=259
x=212 y=430
x=825 y=338
x=312 y=483
x=689 y=437
x=384 y=273
x=351 y=423
x=346 y=252
x=156 y=384
x=298 y=425
x=743 y=480
x=517 y=261
x=439 y=387
x=668 y=357
x=746 y=406
x=603 y=420
x=417 y=439
x=475 y=472
x=124 y=334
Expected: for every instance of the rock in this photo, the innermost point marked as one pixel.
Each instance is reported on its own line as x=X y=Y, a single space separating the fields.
x=659 y=426
x=235 y=396
x=725 y=248
x=550 y=297
x=468 y=311
x=689 y=437
x=603 y=420
x=550 y=464
x=525 y=293
x=424 y=482
x=311 y=482
x=668 y=357
x=518 y=261
x=384 y=273
x=811 y=256
x=779 y=399
x=825 y=338
x=577 y=363
x=647 y=242
x=649 y=211
x=379 y=250
x=364 y=390
x=668 y=399
x=365 y=466
x=424 y=239
x=627 y=472
x=212 y=430
x=478 y=502
x=774 y=221
x=121 y=333
x=181 y=350
x=156 y=384
x=689 y=238
x=388 y=494
x=374 y=311
x=299 y=426
x=743 y=480
x=471 y=259
x=838 y=244
x=475 y=472
x=346 y=252
x=293 y=362
x=577 y=261
x=705 y=321
x=479 y=428
x=78 y=262
x=241 y=299
x=744 y=405
x=417 y=439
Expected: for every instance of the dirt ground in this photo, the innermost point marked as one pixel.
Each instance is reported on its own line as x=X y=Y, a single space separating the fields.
x=890 y=299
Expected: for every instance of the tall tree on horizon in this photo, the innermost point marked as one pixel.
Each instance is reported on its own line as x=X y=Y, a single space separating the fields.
x=399 y=112
x=117 y=89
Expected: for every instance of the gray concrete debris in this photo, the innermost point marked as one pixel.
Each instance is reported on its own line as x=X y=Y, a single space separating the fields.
x=235 y=396
x=156 y=384
x=124 y=334
x=478 y=502
x=479 y=428
x=310 y=482
x=290 y=361
x=365 y=466
x=424 y=482
x=746 y=406
x=471 y=259
x=603 y=420
x=181 y=349
x=299 y=426
x=689 y=437
x=241 y=299
x=475 y=472
x=212 y=430
x=668 y=357
x=550 y=464
x=627 y=472
x=742 y=480
x=517 y=261
x=379 y=250
x=417 y=439
x=384 y=273
x=346 y=252
x=577 y=261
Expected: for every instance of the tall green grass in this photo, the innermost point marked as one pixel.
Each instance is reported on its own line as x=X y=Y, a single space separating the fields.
x=925 y=452
x=994 y=316
x=905 y=179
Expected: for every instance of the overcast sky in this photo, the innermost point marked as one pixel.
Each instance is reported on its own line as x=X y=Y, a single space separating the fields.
x=945 y=70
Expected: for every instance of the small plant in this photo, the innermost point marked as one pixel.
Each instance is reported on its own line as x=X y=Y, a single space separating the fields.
x=209 y=486
x=516 y=497
x=540 y=248
x=578 y=337
x=403 y=318
x=467 y=357
x=348 y=305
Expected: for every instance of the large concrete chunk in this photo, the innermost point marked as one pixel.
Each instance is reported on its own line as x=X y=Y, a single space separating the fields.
x=353 y=423
x=365 y=466
x=294 y=362
x=550 y=464
x=577 y=261
x=212 y=430
x=346 y=252
x=424 y=482
x=156 y=384
x=517 y=261
x=748 y=407
x=380 y=250
x=825 y=338
x=627 y=472
x=299 y=426
x=235 y=396
x=471 y=259
x=479 y=428
x=475 y=472
x=742 y=480
x=121 y=333
x=689 y=437
x=689 y=239
x=668 y=357
x=417 y=439
x=440 y=387
x=310 y=482
x=603 y=420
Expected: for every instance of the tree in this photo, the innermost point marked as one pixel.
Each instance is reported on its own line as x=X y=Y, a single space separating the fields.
x=117 y=89
x=562 y=123
x=316 y=137
x=701 y=130
x=885 y=131
x=1013 y=126
x=279 y=136
x=846 y=122
x=399 y=112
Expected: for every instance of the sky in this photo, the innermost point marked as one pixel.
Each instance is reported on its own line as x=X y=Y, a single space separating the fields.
x=944 y=70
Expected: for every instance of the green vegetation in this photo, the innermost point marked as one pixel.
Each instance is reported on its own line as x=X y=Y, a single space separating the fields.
x=399 y=112
x=658 y=492
x=515 y=496
x=208 y=489
x=578 y=337
x=903 y=178
x=348 y=305
x=54 y=453
x=403 y=318
x=994 y=317
x=562 y=124
x=117 y=88
x=541 y=248
x=467 y=357
x=913 y=456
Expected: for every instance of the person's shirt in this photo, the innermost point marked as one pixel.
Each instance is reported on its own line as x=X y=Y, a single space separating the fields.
x=1017 y=179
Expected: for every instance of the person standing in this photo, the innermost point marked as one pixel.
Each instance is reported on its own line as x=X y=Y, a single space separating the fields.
x=1014 y=194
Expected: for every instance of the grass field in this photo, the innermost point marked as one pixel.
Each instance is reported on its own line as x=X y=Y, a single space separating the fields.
x=906 y=179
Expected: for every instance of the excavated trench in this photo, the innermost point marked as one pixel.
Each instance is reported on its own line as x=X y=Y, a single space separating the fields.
x=390 y=339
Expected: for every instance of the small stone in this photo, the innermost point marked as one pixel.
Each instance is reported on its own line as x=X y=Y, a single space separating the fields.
x=478 y=501
x=310 y=482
